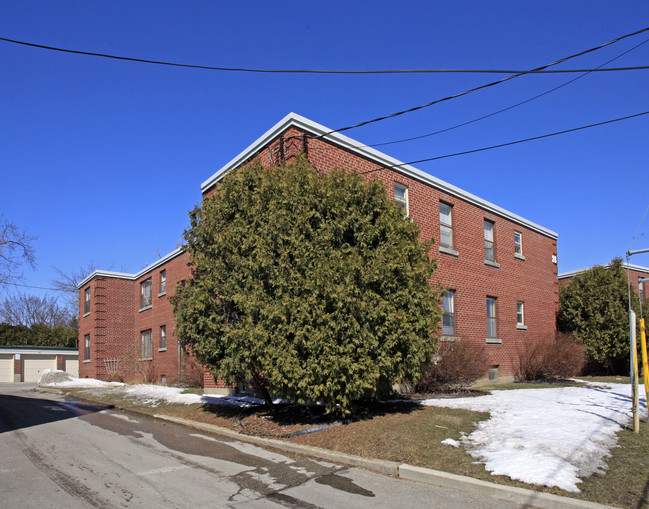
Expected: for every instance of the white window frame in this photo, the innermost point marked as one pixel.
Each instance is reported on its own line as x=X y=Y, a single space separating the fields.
x=518 y=243
x=163 y=337
x=163 y=282
x=446 y=226
x=86 y=350
x=449 y=314
x=489 y=243
x=147 y=350
x=86 y=309
x=404 y=202
x=145 y=294
x=520 y=313
x=492 y=320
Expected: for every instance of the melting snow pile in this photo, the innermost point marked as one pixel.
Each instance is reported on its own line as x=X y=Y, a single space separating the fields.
x=551 y=437
x=56 y=378
x=151 y=395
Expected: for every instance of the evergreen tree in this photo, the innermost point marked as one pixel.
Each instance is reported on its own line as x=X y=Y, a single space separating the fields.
x=310 y=286
x=595 y=308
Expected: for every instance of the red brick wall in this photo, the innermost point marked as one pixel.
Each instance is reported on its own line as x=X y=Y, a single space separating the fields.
x=164 y=361
x=532 y=281
x=115 y=324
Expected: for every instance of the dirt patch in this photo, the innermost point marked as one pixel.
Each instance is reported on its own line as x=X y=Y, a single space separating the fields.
x=288 y=420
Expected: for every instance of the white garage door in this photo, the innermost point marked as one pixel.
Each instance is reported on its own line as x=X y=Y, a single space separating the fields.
x=6 y=367
x=71 y=365
x=34 y=365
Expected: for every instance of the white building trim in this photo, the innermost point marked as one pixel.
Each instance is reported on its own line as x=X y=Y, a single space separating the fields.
x=132 y=277
x=381 y=159
x=572 y=273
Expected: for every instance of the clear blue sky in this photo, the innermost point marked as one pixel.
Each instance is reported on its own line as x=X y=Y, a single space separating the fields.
x=102 y=159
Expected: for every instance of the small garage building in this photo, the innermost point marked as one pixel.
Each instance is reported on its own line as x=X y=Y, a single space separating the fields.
x=27 y=363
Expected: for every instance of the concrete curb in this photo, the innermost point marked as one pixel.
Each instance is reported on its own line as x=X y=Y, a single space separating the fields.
x=382 y=466
x=525 y=497
x=528 y=498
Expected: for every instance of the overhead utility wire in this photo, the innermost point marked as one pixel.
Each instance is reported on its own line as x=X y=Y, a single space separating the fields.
x=634 y=240
x=475 y=89
x=509 y=107
x=30 y=286
x=508 y=143
x=320 y=71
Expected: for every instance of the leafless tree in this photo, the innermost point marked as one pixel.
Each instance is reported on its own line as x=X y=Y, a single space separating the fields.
x=68 y=281
x=30 y=309
x=16 y=251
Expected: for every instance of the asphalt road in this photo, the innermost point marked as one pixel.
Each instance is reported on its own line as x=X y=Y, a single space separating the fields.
x=61 y=453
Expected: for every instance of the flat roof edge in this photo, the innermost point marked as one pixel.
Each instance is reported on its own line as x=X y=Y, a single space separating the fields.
x=295 y=120
x=132 y=277
x=631 y=266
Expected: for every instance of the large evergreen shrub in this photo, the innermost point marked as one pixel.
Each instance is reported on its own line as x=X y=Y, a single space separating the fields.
x=310 y=286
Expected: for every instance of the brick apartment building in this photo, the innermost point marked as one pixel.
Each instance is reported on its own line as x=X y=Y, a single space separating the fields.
x=636 y=272
x=499 y=268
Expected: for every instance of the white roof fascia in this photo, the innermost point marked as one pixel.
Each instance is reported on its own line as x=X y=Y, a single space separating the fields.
x=293 y=119
x=631 y=266
x=16 y=349
x=132 y=277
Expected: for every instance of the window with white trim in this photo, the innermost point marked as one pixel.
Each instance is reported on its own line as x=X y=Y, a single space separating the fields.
x=163 y=281
x=86 y=352
x=145 y=293
x=448 y=313
x=446 y=225
x=146 y=344
x=520 y=313
x=401 y=198
x=489 y=251
x=163 y=336
x=518 y=243
x=86 y=292
x=492 y=328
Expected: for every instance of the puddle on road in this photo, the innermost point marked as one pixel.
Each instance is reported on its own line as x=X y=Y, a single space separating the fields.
x=264 y=472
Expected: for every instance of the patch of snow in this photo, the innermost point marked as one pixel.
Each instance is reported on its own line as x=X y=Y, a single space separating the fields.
x=550 y=437
x=58 y=378
x=451 y=442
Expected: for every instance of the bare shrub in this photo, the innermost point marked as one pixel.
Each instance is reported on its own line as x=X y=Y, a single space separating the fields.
x=133 y=368
x=549 y=360
x=456 y=366
x=191 y=374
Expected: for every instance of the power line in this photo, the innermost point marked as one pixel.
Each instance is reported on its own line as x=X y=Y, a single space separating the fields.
x=508 y=143
x=481 y=87
x=323 y=71
x=509 y=107
x=30 y=286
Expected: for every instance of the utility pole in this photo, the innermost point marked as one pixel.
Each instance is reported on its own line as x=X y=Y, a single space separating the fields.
x=632 y=329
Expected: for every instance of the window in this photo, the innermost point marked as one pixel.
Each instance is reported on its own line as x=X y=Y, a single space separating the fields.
x=145 y=293
x=163 y=282
x=491 y=318
x=146 y=344
x=86 y=353
x=518 y=243
x=448 y=313
x=445 y=225
x=87 y=298
x=489 y=252
x=641 y=289
x=520 y=313
x=401 y=197
x=163 y=336
x=493 y=373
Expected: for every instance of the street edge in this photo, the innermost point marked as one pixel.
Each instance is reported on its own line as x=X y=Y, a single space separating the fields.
x=525 y=497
